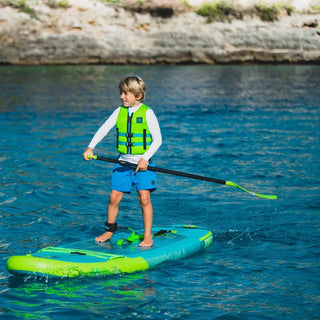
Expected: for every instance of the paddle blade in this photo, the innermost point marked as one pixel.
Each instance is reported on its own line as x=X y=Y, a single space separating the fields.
x=266 y=196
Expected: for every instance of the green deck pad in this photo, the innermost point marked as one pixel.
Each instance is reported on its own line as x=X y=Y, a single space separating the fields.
x=136 y=237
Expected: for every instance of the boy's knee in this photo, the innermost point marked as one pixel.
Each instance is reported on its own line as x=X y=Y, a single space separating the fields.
x=144 y=200
x=114 y=199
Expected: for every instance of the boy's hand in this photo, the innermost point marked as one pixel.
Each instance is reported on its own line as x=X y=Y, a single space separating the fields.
x=142 y=165
x=88 y=154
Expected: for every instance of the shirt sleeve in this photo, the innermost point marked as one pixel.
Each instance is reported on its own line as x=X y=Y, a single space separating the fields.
x=155 y=132
x=104 y=129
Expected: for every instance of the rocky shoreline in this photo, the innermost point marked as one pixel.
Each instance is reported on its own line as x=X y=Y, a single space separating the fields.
x=109 y=34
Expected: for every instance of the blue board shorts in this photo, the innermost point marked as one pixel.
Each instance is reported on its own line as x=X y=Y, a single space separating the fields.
x=124 y=179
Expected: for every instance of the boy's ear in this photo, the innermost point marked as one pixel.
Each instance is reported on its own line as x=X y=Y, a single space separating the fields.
x=139 y=96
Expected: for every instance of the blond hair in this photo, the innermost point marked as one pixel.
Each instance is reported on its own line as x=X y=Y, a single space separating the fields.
x=135 y=85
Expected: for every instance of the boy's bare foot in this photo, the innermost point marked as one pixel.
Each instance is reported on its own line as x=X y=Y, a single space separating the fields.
x=147 y=241
x=104 y=237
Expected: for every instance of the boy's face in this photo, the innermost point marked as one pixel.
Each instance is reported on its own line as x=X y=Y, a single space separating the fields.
x=129 y=99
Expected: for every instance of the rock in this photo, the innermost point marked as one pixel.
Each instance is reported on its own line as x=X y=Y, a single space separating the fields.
x=88 y=32
x=310 y=24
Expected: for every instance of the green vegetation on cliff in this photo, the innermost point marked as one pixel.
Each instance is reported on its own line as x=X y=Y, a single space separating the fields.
x=227 y=10
x=213 y=10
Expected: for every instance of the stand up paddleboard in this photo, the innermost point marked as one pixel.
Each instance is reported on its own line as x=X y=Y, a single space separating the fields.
x=120 y=255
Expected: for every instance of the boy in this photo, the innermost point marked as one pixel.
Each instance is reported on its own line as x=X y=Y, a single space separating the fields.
x=138 y=139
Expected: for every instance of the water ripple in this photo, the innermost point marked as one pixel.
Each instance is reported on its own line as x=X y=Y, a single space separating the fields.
x=254 y=125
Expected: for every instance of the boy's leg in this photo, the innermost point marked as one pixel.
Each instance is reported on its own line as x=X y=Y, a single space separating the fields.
x=113 y=208
x=147 y=214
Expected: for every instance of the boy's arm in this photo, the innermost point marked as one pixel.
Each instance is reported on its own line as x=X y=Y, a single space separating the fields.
x=101 y=133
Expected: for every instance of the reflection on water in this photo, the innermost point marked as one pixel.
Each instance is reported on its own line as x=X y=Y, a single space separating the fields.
x=79 y=295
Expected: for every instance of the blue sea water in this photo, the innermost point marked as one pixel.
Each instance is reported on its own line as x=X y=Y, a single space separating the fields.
x=257 y=126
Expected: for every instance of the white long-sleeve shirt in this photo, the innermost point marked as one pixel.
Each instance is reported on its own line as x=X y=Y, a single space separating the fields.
x=153 y=126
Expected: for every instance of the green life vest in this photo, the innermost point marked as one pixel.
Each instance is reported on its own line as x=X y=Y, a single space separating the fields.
x=133 y=135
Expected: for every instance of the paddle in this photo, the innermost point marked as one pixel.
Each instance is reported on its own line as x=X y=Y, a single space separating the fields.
x=187 y=175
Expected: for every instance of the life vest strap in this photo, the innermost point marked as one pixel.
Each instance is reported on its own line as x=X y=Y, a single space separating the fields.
x=134 y=135
x=133 y=144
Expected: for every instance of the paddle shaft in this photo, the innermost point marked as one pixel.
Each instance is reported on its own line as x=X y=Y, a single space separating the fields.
x=187 y=175
x=168 y=171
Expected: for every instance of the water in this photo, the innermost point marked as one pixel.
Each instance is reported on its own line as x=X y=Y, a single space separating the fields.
x=255 y=125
